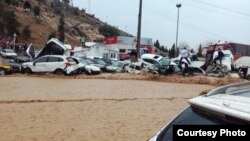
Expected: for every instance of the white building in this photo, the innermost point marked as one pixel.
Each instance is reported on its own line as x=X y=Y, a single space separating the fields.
x=93 y=49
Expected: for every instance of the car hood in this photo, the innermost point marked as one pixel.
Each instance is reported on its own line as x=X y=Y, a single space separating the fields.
x=94 y=68
x=52 y=47
x=243 y=61
x=113 y=68
x=98 y=65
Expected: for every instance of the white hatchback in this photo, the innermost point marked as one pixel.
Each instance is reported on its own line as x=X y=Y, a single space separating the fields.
x=57 y=64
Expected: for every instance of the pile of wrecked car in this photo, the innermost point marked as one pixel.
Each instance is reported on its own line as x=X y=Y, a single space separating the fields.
x=56 y=57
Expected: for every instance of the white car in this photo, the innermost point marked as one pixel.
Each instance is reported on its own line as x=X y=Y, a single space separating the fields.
x=152 y=59
x=134 y=68
x=57 y=64
x=8 y=53
x=85 y=66
x=226 y=105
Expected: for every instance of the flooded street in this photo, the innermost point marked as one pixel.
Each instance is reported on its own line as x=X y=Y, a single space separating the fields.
x=54 y=109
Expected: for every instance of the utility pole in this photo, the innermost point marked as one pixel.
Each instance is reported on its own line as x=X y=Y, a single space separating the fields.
x=89 y=6
x=176 y=44
x=72 y=4
x=139 y=31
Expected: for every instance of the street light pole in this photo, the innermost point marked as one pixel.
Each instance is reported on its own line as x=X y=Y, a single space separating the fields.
x=176 y=43
x=139 y=31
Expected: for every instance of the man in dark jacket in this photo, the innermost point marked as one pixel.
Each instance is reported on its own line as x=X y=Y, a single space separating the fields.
x=219 y=57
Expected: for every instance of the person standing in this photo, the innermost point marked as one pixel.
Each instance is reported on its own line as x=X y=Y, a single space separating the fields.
x=83 y=40
x=219 y=57
x=184 y=55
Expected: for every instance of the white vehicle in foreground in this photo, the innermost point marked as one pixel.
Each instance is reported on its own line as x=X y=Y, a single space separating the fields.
x=57 y=64
x=229 y=104
x=8 y=53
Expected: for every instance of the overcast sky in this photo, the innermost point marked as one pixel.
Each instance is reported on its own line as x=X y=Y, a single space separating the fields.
x=201 y=21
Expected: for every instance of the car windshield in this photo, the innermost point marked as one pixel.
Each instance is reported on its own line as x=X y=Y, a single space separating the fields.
x=117 y=64
x=90 y=61
x=85 y=62
x=191 y=116
x=164 y=61
x=100 y=62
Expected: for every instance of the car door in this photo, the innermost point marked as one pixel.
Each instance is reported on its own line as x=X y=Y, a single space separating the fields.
x=31 y=52
x=54 y=63
x=39 y=65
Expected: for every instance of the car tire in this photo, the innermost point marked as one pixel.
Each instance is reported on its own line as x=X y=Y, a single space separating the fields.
x=59 y=72
x=2 y=72
x=28 y=71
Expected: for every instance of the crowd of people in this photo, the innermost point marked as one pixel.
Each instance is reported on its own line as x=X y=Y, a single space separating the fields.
x=8 y=43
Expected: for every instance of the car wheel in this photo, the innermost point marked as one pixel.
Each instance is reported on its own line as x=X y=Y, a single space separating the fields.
x=59 y=72
x=2 y=72
x=27 y=70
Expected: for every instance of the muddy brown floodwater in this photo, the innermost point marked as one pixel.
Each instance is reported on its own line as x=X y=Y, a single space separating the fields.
x=52 y=109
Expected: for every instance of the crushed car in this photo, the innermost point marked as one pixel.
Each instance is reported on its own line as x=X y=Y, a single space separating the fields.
x=5 y=69
x=85 y=67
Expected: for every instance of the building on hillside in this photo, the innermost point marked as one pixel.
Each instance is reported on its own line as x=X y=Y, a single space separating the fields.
x=126 y=44
x=93 y=49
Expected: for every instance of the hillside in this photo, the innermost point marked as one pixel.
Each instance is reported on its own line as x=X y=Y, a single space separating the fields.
x=77 y=23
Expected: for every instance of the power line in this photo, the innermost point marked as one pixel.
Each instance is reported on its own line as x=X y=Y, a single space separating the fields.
x=202 y=30
x=220 y=7
x=212 y=11
x=183 y=22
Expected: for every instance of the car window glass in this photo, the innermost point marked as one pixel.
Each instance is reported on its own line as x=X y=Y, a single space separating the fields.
x=164 y=61
x=132 y=66
x=54 y=59
x=70 y=59
x=148 y=60
x=75 y=60
x=137 y=67
x=41 y=60
x=10 y=51
x=156 y=57
x=155 y=62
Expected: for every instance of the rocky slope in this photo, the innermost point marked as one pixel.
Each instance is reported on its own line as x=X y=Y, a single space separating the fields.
x=76 y=25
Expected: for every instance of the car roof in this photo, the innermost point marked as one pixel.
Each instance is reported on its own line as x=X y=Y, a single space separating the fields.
x=230 y=100
x=151 y=56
